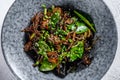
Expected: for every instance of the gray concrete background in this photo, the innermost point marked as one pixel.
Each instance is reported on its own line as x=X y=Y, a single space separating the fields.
x=114 y=71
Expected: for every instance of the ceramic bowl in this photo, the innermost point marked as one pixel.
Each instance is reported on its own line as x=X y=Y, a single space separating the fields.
x=18 y=17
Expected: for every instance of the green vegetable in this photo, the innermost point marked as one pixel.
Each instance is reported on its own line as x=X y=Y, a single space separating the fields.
x=62 y=56
x=46 y=34
x=63 y=38
x=81 y=28
x=74 y=19
x=43 y=47
x=43 y=5
x=71 y=26
x=63 y=48
x=37 y=63
x=32 y=36
x=61 y=32
x=45 y=12
x=47 y=66
x=53 y=7
x=70 y=40
x=72 y=56
x=76 y=51
x=85 y=20
x=55 y=19
x=45 y=9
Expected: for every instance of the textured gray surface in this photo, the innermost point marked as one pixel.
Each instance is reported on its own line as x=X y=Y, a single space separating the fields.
x=114 y=71
x=19 y=17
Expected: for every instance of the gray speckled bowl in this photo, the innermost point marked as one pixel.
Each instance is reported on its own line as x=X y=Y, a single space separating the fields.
x=18 y=18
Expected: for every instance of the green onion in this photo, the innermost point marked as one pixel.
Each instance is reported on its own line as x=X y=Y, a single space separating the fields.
x=53 y=7
x=45 y=11
x=43 y=5
x=32 y=36
x=55 y=18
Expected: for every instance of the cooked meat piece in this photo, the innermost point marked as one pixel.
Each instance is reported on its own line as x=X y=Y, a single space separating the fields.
x=57 y=9
x=54 y=39
x=27 y=46
x=86 y=60
x=52 y=57
x=69 y=21
x=58 y=47
x=66 y=15
x=44 y=24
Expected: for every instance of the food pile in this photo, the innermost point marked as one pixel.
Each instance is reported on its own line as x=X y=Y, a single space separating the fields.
x=59 y=39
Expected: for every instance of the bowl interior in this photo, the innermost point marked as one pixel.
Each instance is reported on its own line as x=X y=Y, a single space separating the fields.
x=18 y=17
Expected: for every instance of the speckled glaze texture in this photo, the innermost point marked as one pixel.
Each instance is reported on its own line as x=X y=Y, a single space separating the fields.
x=18 y=18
